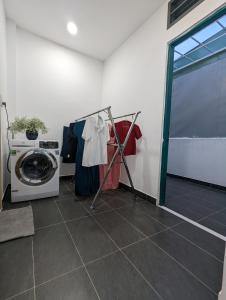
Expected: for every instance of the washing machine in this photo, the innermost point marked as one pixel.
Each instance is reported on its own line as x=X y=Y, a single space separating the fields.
x=34 y=169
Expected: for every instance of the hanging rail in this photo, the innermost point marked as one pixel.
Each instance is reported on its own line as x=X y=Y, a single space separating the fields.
x=120 y=147
x=123 y=116
x=94 y=113
x=120 y=150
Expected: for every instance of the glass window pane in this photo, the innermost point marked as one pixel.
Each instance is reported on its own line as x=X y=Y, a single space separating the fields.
x=186 y=46
x=199 y=53
x=223 y=21
x=217 y=45
x=181 y=62
x=176 y=56
x=207 y=32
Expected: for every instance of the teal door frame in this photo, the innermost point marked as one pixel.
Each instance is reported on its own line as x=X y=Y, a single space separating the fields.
x=169 y=84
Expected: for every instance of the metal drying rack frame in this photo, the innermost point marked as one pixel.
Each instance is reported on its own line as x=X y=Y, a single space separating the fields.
x=120 y=147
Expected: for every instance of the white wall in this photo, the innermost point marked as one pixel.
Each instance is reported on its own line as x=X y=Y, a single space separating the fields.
x=50 y=82
x=202 y=159
x=134 y=79
x=3 y=93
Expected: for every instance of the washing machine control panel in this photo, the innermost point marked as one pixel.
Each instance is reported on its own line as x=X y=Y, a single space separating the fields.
x=48 y=144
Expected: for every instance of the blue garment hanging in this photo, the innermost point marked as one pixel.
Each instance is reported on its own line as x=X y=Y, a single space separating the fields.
x=86 y=179
x=68 y=146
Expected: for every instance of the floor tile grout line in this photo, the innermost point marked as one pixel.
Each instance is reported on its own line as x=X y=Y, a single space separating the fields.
x=112 y=209
x=157 y=233
x=194 y=244
x=48 y=226
x=101 y=258
x=186 y=269
x=19 y=294
x=142 y=275
x=195 y=205
x=135 y=243
x=216 y=221
x=166 y=228
x=138 y=271
x=145 y=215
x=91 y=281
x=132 y=225
x=73 y=219
x=212 y=214
x=33 y=267
x=177 y=207
x=82 y=261
x=59 y=276
x=156 y=220
x=129 y=206
x=195 y=223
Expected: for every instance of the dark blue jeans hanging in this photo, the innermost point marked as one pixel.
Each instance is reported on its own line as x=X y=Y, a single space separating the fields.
x=86 y=179
x=69 y=147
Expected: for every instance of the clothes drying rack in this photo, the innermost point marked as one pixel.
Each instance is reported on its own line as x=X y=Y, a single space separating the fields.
x=120 y=147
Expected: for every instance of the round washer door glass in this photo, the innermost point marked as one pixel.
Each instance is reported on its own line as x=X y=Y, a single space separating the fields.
x=36 y=167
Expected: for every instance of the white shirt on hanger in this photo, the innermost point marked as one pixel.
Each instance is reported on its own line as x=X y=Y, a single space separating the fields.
x=96 y=135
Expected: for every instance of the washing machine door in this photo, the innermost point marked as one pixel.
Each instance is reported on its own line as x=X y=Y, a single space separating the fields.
x=36 y=167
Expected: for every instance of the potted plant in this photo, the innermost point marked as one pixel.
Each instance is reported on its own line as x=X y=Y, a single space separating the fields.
x=30 y=126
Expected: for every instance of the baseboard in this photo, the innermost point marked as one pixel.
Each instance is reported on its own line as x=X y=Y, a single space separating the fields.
x=126 y=187
x=212 y=185
x=139 y=193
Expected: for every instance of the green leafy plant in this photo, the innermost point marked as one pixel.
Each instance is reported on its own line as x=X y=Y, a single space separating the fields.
x=24 y=124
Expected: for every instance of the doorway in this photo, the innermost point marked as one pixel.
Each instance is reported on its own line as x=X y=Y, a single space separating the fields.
x=193 y=174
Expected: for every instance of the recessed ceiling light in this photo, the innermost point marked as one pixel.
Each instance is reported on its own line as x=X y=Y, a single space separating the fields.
x=72 y=28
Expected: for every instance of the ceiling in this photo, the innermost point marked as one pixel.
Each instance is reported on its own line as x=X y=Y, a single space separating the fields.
x=103 y=24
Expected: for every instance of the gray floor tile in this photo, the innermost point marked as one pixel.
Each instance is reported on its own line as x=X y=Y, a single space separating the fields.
x=219 y=217
x=139 y=218
x=71 y=209
x=215 y=226
x=115 y=278
x=100 y=206
x=25 y=296
x=16 y=267
x=118 y=198
x=119 y=230
x=72 y=286
x=45 y=213
x=54 y=253
x=160 y=214
x=70 y=196
x=186 y=211
x=65 y=188
x=182 y=187
x=203 y=239
x=168 y=278
x=190 y=203
x=205 y=267
x=91 y=240
x=202 y=200
x=214 y=195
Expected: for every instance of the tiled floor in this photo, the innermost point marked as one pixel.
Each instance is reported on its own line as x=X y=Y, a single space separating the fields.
x=123 y=250
x=199 y=203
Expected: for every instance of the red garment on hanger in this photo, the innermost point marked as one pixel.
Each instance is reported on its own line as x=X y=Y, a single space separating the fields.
x=112 y=181
x=122 y=129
